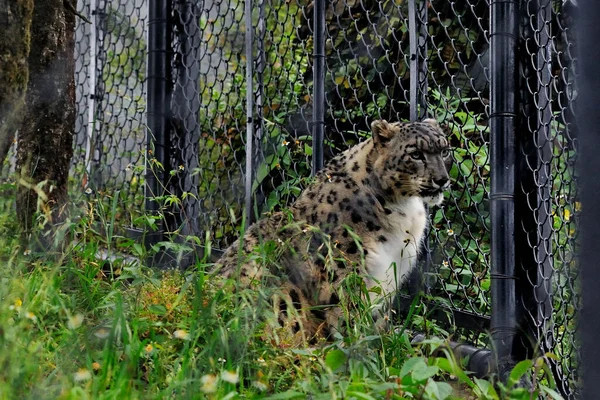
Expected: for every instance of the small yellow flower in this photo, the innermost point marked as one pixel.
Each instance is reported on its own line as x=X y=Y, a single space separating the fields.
x=27 y=252
x=261 y=360
x=567 y=214
x=181 y=167
x=95 y=366
x=149 y=348
x=445 y=263
x=285 y=143
x=89 y=191
x=577 y=206
x=450 y=232
x=31 y=316
x=181 y=334
x=16 y=306
x=222 y=360
x=75 y=321
x=230 y=376
x=209 y=383
x=82 y=375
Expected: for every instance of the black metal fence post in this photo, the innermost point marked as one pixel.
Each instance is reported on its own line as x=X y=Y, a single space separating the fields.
x=589 y=119
x=318 y=85
x=249 y=173
x=503 y=41
x=159 y=87
x=417 y=21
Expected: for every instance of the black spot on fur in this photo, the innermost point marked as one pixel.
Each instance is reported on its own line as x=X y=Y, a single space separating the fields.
x=382 y=238
x=355 y=167
x=334 y=299
x=332 y=218
x=371 y=226
x=318 y=313
x=314 y=217
x=282 y=306
x=295 y=299
x=387 y=211
x=345 y=233
x=352 y=248
x=356 y=218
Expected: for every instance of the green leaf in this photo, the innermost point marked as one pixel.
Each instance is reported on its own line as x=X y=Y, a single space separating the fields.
x=410 y=365
x=451 y=367
x=518 y=371
x=487 y=389
x=335 y=359
x=359 y=395
x=157 y=309
x=551 y=392
x=290 y=394
x=422 y=374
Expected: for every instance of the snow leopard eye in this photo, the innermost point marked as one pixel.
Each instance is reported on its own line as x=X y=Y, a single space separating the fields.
x=445 y=153
x=417 y=155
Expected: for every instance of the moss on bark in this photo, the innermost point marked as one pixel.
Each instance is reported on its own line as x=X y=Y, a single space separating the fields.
x=15 y=20
x=44 y=148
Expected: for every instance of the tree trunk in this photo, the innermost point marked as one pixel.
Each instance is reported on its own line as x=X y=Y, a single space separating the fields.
x=44 y=147
x=15 y=22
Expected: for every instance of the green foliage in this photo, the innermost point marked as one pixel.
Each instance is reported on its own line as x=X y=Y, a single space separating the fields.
x=76 y=325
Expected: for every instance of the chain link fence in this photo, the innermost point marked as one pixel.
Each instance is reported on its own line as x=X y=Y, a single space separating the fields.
x=206 y=110
x=110 y=75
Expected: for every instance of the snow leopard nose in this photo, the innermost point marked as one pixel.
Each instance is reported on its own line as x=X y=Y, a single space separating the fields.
x=440 y=183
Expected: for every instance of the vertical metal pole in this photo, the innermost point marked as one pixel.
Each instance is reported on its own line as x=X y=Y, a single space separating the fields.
x=503 y=41
x=261 y=60
x=422 y=59
x=417 y=15
x=414 y=61
x=249 y=112
x=91 y=104
x=159 y=40
x=588 y=32
x=318 y=85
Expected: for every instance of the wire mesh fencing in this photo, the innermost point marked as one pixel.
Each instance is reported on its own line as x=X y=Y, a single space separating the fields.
x=207 y=111
x=110 y=75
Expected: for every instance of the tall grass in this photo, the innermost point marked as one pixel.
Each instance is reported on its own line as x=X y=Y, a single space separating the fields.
x=74 y=326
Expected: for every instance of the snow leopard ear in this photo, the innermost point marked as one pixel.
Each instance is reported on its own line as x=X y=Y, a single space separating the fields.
x=382 y=131
x=432 y=122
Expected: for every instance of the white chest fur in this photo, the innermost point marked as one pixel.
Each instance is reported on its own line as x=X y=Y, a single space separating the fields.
x=390 y=262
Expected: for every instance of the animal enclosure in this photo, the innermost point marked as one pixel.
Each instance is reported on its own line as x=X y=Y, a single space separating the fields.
x=207 y=114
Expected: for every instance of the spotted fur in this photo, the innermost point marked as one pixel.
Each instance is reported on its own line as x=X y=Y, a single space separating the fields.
x=363 y=214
